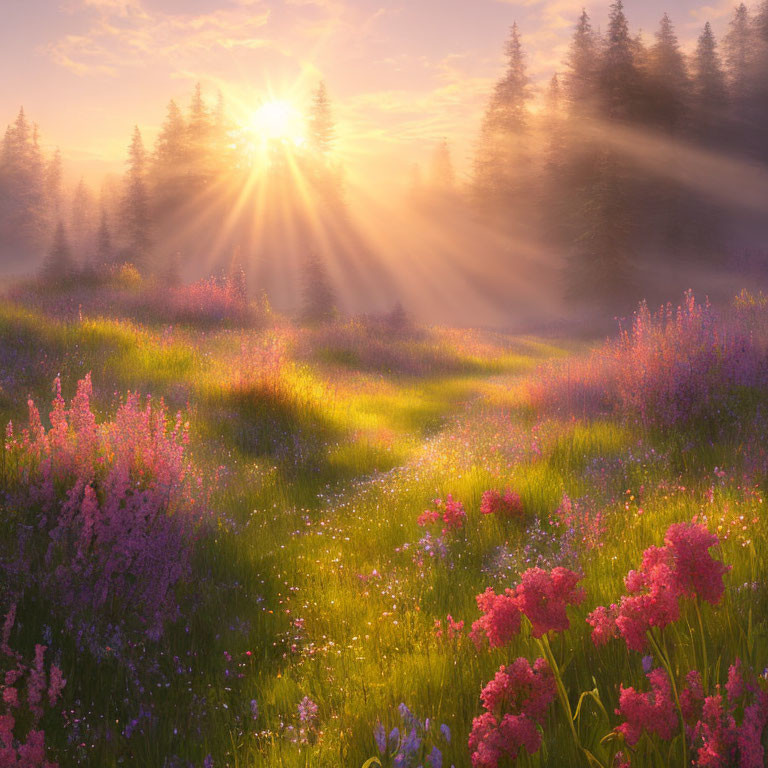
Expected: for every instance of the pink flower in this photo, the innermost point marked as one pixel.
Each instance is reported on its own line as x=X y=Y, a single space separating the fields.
x=697 y=573
x=500 y=621
x=681 y=568
x=750 y=736
x=516 y=700
x=450 y=511
x=507 y=504
x=55 y=685
x=544 y=595
x=653 y=712
x=603 y=621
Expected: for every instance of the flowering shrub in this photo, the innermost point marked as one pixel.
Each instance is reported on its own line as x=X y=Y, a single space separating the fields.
x=118 y=506
x=682 y=568
x=25 y=704
x=516 y=703
x=672 y=368
x=506 y=505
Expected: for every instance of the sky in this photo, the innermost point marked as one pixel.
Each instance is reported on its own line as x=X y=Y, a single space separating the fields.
x=402 y=74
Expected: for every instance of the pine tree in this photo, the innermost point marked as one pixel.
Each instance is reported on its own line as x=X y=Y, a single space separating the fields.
x=600 y=269
x=59 y=266
x=200 y=170
x=669 y=86
x=500 y=161
x=619 y=80
x=54 y=176
x=104 y=255
x=709 y=90
x=318 y=296
x=442 y=177
x=739 y=47
x=24 y=224
x=136 y=221
x=582 y=70
x=81 y=224
x=169 y=168
x=321 y=129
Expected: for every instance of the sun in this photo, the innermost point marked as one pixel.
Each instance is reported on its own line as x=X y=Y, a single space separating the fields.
x=278 y=120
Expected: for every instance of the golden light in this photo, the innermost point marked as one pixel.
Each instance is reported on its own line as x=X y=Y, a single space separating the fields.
x=278 y=120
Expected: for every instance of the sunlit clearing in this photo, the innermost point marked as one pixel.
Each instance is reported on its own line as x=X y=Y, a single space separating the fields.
x=278 y=120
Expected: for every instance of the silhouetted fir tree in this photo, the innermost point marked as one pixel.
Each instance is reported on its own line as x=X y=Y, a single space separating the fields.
x=135 y=214
x=669 y=84
x=661 y=210
x=24 y=221
x=580 y=81
x=759 y=89
x=200 y=169
x=500 y=165
x=81 y=222
x=104 y=255
x=599 y=270
x=442 y=177
x=59 y=267
x=321 y=129
x=168 y=171
x=710 y=97
x=54 y=176
x=318 y=296
x=739 y=47
x=619 y=80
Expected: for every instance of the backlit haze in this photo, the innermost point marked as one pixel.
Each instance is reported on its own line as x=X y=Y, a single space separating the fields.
x=402 y=74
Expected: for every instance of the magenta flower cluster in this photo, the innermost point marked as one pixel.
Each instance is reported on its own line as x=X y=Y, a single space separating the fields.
x=682 y=568
x=24 y=705
x=516 y=703
x=119 y=507
x=449 y=512
x=542 y=596
x=505 y=504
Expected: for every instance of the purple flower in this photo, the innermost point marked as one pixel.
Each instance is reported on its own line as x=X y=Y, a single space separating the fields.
x=380 y=735
x=446 y=732
x=307 y=710
x=394 y=739
x=208 y=762
x=254 y=708
x=647 y=664
x=435 y=758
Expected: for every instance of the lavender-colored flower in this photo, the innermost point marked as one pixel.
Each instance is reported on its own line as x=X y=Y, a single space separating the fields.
x=446 y=732
x=435 y=758
x=254 y=709
x=647 y=664
x=394 y=739
x=307 y=710
x=208 y=762
x=380 y=735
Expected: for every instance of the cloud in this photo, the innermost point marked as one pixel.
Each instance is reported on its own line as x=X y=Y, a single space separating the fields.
x=123 y=34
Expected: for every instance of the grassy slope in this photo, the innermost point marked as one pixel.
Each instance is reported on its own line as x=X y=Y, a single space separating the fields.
x=310 y=592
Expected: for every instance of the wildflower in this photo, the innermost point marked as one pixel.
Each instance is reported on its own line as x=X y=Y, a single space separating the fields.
x=307 y=710
x=603 y=621
x=653 y=712
x=697 y=573
x=500 y=621
x=446 y=733
x=506 y=505
x=435 y=758
x=380 y=737
x=516 y=703
x=254 y=709
x=543 y=597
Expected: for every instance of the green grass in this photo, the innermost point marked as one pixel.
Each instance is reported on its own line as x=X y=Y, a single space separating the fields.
x=327 y=468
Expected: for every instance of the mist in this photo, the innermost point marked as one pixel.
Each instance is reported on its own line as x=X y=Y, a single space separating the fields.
x=636 y=172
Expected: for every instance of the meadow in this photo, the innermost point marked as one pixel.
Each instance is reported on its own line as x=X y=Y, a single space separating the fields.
x=235 y=541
